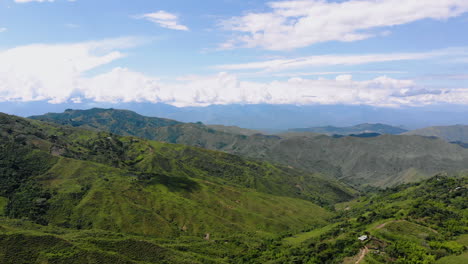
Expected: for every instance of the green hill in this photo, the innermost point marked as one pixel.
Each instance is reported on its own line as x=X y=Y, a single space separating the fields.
x=415 y=223
x=71 y=195
x=122 y=122
x=458 y=133
x=83 y=179
x=379 y=161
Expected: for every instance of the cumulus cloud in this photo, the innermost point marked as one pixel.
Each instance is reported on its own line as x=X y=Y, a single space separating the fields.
x=225 y=88
x=52 y=72
x=165 y=20
x=300 y=23
x=60 y=73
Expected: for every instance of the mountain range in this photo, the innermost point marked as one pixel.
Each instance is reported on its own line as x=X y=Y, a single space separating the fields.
x=379 y=161
x=457 y=133
x=267 y=117
x=71 y=191
x=358 y=129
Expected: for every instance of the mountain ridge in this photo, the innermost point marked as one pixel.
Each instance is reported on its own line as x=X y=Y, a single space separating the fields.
x=50 y=154
x=357 y=129
x=358 y=161
x=456 y=133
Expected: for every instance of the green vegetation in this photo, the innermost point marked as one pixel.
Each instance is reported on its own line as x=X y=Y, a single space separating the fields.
x=120 y=122
x=96 y=179
x=3 y=204
x=381 y=161
x=417 y=223
x=70 y=195
x=75 y=180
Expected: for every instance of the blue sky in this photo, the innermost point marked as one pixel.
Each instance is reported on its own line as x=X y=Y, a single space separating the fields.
x=383 y=53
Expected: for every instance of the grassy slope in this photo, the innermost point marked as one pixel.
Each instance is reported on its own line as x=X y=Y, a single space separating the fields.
x=76 y=180
x=182 y=161
x=81 y=179
x=418 y=223
x=24 y=242
x=460 y=259
x=379 y=162
x=91 y=195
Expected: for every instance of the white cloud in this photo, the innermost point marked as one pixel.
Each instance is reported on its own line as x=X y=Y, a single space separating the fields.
x=318 y=73
x=342 y=60
x=165 y=20
x=300 y=23
x=52 y=72
x=60 y=73
x=226 y=88
x=326 y=60
x=2 y=29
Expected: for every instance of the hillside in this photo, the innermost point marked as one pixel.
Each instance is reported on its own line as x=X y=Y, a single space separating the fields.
x=358 y=129
x=458 y=133
x=377 y=161
x=71 y=195
x=425 y=222
x=83 y=179
x=417 y=223
x=381 y=161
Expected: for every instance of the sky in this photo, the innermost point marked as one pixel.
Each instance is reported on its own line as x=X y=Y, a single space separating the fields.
x=378 y=53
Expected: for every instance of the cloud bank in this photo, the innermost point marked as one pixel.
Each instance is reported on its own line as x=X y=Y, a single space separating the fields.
x=61 y=73
x=300 y=23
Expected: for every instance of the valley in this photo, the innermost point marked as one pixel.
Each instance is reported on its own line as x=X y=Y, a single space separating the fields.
x=73 y=192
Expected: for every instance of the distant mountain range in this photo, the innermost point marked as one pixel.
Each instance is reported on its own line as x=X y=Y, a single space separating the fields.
x=271 y=118
x=457 y=133
x=378 y=161
x=358 y=129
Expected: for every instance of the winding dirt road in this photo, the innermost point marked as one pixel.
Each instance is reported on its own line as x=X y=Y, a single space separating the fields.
x=362 y=254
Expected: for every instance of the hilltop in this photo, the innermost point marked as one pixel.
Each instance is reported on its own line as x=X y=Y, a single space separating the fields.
x=122 y=122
